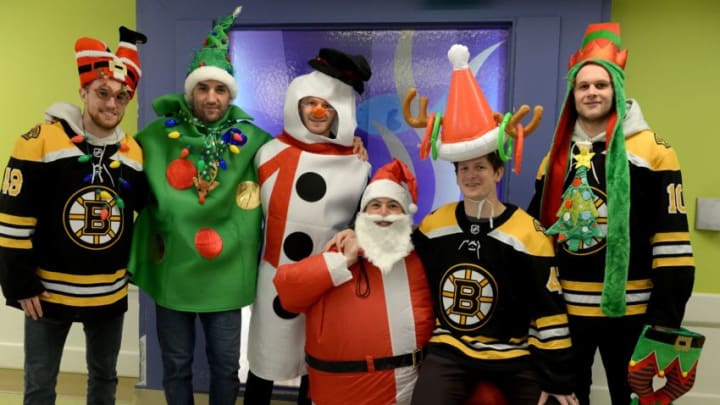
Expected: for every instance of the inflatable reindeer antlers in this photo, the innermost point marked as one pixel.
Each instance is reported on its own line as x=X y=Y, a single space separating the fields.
x=421 y=119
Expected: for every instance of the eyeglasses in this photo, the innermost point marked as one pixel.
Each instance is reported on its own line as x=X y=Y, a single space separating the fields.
x=312 y=104
x=121 y=98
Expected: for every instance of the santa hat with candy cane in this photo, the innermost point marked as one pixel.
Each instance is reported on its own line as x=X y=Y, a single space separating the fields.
x=96 y=61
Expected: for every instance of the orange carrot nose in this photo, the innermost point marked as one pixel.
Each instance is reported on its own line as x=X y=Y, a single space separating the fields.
x=318 y=111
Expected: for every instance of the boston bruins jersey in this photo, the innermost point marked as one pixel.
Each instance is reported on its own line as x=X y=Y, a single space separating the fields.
x=496 y=293
x=66 y=215
x=661 y=267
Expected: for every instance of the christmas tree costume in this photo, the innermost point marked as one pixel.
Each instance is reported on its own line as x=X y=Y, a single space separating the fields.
x=203 y=227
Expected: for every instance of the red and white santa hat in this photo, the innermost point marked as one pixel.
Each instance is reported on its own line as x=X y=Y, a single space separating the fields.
x=96 y=61
x=469 y=129
x=387 y=183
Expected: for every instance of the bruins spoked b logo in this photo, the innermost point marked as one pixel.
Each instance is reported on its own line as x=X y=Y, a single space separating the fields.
x=468 y=296
x=91 y=221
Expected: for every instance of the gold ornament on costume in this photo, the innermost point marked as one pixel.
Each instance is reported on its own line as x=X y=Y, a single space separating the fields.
x=247 y=196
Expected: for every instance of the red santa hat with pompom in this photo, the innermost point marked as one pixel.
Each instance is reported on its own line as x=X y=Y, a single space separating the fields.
x=387 y=182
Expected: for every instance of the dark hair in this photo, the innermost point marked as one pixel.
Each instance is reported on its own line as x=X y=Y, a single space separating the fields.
x=492 y=157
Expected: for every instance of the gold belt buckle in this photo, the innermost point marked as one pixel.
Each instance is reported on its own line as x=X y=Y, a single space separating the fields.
x=683 y=343
x=415 y=360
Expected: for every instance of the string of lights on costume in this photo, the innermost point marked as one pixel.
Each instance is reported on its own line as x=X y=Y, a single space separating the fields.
x=218 y=140
x=96 y=174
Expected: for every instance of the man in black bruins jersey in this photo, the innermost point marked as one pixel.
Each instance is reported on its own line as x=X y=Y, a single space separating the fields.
x=611 y=191
x=500 y=316
x=68 y=197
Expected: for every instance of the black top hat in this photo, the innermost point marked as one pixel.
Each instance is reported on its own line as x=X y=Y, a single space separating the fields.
x=350 y=69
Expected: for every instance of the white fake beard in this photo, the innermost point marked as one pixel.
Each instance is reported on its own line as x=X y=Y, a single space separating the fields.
x=384 y=246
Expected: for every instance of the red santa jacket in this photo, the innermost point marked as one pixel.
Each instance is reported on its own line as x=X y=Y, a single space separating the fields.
x=364 y=328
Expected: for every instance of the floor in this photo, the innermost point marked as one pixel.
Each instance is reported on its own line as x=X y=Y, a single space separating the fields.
x=71 y=391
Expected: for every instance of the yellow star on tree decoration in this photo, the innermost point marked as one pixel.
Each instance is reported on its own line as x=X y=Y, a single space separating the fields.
x=583 y=158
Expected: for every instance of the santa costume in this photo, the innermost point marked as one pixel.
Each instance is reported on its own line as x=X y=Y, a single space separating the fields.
x=366 y=324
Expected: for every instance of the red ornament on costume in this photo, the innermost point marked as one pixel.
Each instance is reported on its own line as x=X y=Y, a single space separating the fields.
x=180 y=173
x=208 y=243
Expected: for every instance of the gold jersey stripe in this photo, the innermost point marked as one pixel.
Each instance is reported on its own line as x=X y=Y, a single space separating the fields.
x=17 y=221
x=102 y=300
x=477 y=354
x=671 y=237
x=554 y=320
x=15 y=243
x=81 y=279
x=673 y=261
x=555 y=344
x=588 y=286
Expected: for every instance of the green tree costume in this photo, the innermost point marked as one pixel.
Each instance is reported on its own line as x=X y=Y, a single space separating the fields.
x=196 y=245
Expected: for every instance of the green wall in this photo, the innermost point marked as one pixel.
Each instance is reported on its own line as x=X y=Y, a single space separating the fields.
x=38 y=42
x=672 y=70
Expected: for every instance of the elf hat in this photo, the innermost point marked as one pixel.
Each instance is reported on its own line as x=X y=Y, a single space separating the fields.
x=469 y=129
x=601 y=46
x=212 y=61
x=387 y=183
x=95 y=60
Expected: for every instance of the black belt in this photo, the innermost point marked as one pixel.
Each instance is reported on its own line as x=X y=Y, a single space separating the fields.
x=371 y=364
x=680 y=341
x=102 y=64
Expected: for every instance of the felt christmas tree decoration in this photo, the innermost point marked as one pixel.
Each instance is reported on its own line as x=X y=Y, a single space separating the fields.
x=212 y=61
x=577 y=215
x=671 y=354
x=601 y=46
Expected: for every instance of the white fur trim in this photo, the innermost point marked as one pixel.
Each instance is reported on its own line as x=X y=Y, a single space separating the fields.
x=461 y=151
x=388 y=189
x=209 y=73
x=337 y=267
